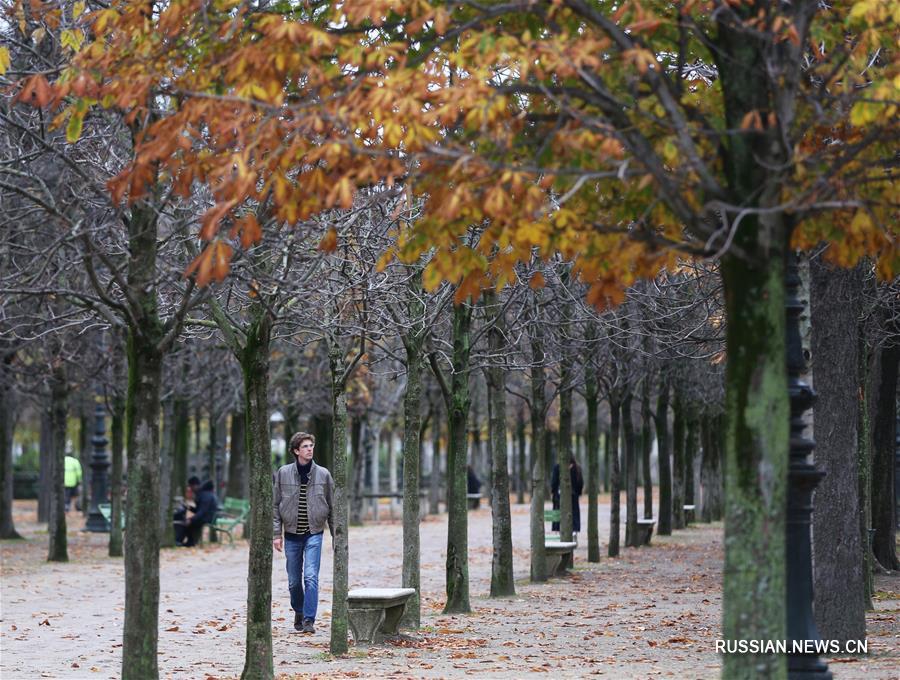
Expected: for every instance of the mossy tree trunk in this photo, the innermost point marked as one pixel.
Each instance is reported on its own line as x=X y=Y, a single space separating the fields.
x=502 y=579
x=142 y=412
x=59 y=395
x=339 y=621
x=664 y=521
x=538 y=571
x=756 y=453
x=142 y=540
x=413 y=341
x=458 y=521
x=254 y=360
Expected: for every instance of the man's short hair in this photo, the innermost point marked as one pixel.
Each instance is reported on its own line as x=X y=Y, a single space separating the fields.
x=299 y=438
x=194 y=481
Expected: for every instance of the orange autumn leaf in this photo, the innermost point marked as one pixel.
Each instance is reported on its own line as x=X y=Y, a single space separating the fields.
x=212 y=264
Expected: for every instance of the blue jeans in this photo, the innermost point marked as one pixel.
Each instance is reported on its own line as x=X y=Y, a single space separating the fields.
x=303 y=557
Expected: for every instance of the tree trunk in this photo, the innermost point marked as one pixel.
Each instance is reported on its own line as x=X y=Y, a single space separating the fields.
x=59 y=394
x=864 y=463
x=884 y=432
x=8 y=409
x=690 y=453
x=117 y=444
x=411 y=442
x=434 y=492
x=254 y=360
x=646 y=448
x=838 y=580
x=168 y=483
x=592 y=400
x=710 y=471
x=237 y=460
x=502 y=579
x=664 y=445
x=357 y=472
x=139 y=658
x=607 y=464
x=458 y=521
x=521 y=462
x=139 y=649
x=631 y=532
x=84 y=456
x=756 y=464
x=45 y=471
x=679 y=469
x=615 y=479
x=538 y=571
x=564 y=448
x=339 y=620
x=322 y=426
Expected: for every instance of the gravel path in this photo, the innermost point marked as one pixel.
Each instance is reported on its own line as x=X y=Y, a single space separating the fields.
x=653 y=612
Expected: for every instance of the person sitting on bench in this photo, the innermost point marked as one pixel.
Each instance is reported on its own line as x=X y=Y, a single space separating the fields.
x=188 y=529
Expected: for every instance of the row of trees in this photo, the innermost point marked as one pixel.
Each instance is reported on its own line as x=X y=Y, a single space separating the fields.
x=478 y=142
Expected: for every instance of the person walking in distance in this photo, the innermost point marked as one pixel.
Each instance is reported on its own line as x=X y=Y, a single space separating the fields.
x=302 y=504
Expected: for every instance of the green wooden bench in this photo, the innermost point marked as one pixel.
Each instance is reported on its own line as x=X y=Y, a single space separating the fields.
x=234 y=511
x=551 y=516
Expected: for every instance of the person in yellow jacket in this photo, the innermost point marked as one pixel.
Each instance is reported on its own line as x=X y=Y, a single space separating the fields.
x=72 y=479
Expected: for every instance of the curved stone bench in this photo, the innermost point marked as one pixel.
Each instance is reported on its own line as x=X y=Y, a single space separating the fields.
x=560 y=556
x=374 y=613
x=645 y=530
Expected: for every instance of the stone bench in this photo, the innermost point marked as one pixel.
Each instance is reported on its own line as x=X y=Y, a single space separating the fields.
x=689 y=513
x=474 y=500
x=560 y=556
x=645 y=530
x=374 y=613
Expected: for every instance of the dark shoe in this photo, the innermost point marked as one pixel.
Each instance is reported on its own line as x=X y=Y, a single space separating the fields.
x=298 y=622
x=308 y=626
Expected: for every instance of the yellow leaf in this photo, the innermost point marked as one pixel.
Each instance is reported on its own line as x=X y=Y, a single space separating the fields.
x=861 y=222
x=4 y=60
x=73 y=129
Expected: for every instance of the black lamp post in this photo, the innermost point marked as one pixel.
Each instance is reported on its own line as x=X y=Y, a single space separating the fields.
x=802 y=480
x=100 y=472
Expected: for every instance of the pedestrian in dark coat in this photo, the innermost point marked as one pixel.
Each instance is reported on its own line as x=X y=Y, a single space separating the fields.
x=577 y=488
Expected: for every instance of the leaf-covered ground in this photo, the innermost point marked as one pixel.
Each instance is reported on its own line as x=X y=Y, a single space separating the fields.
x=653 y=612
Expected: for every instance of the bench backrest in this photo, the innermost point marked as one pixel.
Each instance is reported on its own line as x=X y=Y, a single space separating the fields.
x=235 y=506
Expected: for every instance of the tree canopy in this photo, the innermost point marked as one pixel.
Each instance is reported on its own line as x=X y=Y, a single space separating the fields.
x=613 y=132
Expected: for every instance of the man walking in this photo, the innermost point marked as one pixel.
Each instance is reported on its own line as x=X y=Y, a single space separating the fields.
x=301 y=501
x=72 y=480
